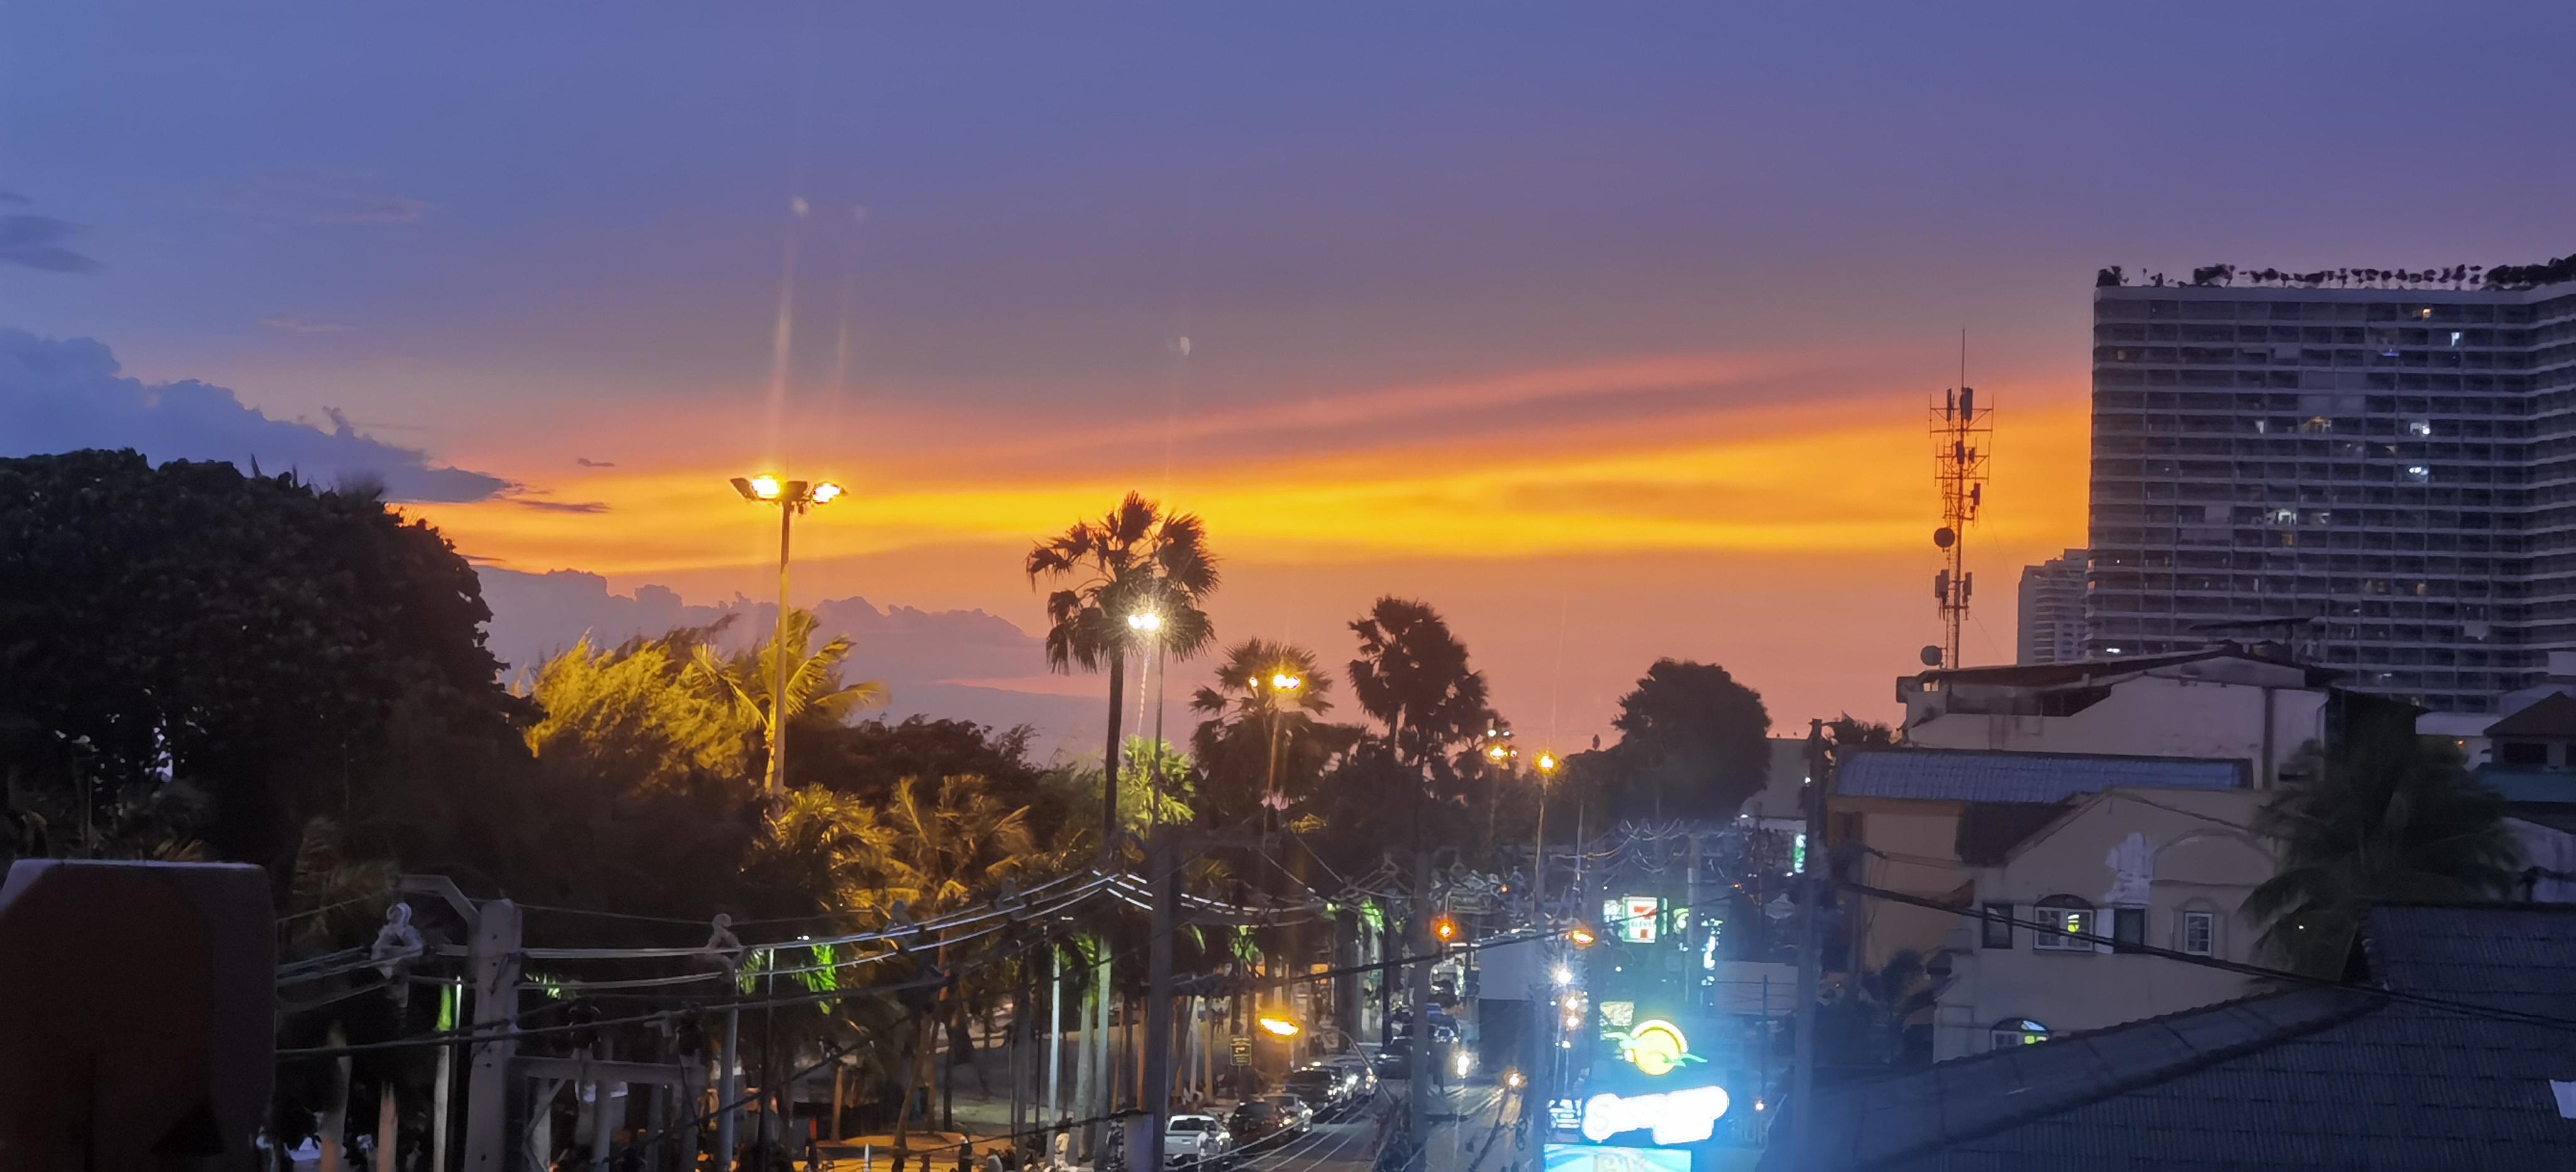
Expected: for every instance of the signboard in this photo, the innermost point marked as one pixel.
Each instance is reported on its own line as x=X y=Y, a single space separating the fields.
x=1655 y=1047
x=1673 y=1117
x=1632 y=917
x=1594 y=1158
x=1240 y=1048
x=1564 y=1114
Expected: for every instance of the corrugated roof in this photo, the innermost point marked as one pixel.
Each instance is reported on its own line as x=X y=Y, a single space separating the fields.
x=1964 y=775
x=2312 y=1080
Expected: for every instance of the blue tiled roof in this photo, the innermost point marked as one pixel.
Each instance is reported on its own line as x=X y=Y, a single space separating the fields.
x=2317 y=1079
x=1970 y=776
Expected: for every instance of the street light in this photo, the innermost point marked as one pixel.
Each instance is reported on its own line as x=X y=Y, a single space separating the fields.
x=792 y=498
x=1284 y=683
x=1149 y=625
x=1547 y=764
x=1280 y=1026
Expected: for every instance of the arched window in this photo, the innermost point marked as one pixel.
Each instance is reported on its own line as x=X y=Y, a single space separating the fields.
x=2068 y=921
x=2017 y=1031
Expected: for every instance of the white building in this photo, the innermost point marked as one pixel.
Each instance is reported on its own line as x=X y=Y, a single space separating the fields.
x=2052 y=610
x=2224 y=702
x=2371 y=474
x=2164 y=868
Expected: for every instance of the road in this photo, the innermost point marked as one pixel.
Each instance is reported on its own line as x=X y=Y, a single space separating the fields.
x=1464 y=1137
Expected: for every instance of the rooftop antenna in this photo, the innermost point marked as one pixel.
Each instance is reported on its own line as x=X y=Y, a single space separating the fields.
x=1962 y=439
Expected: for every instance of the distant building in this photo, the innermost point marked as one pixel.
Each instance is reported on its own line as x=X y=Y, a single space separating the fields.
x=2052 y=610
x=2362 y=472
x=2432 y=1060
x=2240 y=703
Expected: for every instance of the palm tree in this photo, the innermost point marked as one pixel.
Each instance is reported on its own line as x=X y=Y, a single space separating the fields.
x=1412 y=676
x=1135 y=559
x=2383 y=815
x=1274 y=690
x=745 y=681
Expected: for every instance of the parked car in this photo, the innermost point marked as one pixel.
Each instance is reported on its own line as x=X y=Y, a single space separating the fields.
x=1294 y=1113
x=1254 y=1121
x=1195 y=1139
x=1323 y=1087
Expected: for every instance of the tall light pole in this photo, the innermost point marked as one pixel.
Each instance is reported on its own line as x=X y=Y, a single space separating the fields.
x=1546 y=764
x=1149 y=626
x=1284 y=684
x=792 y=498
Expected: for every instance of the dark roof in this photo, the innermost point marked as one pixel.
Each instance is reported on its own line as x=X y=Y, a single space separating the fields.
x=2314 y=1079
x=2046 y=675
x=1989 y=830
x=1972 y=775
x=2553 y=715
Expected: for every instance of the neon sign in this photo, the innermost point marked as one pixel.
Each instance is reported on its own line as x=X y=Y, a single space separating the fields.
x=1675 y=1117
x=1654 y=1047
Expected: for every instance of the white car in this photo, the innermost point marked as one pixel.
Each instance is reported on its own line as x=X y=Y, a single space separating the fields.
x=1195 y=1138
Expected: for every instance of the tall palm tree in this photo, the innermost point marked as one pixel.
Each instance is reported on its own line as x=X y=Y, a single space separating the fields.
x=1412 y=675
x=2384 y=815
x=1134 y=559
x=1275 y=691
x=745 y=681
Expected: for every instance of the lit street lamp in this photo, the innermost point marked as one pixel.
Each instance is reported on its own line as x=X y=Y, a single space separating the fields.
x=1547 y=764
x=1284 y=685
x=792 y=497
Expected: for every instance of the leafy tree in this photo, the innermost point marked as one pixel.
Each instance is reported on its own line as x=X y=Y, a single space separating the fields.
x=264 y=643
x=1847 y=734
x=1693 y=742
x=2381 y=815
x=1135 y=559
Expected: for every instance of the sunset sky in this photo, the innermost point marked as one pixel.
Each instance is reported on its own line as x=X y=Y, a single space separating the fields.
x=1608 y=330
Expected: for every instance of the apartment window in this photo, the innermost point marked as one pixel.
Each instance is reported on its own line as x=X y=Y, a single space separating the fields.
x=2069 y=920
x=2200 y=933
x=2128 y=928
x=1998 y=926
x=2017 y=1031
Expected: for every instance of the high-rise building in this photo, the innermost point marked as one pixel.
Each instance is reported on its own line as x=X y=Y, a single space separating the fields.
x=2384 y=478
x=2052 y=610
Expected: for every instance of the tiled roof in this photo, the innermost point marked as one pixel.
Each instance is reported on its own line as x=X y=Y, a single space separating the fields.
x=1974 y=776
x=2310 y=1080
x=2553 y=715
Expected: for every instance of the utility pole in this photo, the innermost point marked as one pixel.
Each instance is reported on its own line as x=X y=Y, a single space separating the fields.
x=1165 y=871
x=1419 y=1084
x=494 y=957
x=1802 y=1097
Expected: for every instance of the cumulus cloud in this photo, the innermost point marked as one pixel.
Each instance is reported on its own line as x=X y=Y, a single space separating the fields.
x=303 y=325
x=31 y=241
x=61 y=394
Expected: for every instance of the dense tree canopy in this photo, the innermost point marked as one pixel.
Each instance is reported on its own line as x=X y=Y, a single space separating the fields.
x=1693 y=743
x=283 y=652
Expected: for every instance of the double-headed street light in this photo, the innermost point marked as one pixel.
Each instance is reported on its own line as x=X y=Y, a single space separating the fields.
x=792 y=498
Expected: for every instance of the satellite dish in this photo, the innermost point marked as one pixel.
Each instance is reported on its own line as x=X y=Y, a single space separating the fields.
x=1931 y=655
x=1944 y=538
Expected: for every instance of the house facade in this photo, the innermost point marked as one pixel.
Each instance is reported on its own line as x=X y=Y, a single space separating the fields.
x=2227 y=701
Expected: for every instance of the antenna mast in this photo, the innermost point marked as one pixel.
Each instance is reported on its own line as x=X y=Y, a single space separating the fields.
x=1962 y=438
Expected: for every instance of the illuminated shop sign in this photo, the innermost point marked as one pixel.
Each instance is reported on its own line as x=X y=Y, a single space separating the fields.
x=1632 y=917
x=1674 y=1117
x=1591 y=1158
x=1654 y=1047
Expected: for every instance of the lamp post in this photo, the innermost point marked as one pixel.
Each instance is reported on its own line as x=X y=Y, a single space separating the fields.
x=1148 y=625
x=1547 y=764
x=792 y=498
x=1284 y=686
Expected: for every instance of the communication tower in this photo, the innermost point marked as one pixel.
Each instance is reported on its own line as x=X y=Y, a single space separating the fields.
x=1962 y=434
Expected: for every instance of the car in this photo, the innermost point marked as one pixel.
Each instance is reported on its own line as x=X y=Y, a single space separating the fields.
x=1395 y=1060
x=1323 y=1087
x=1363 y=1079
x=1194 y=1139
x=1294 y=1111
x=1255 y=1120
